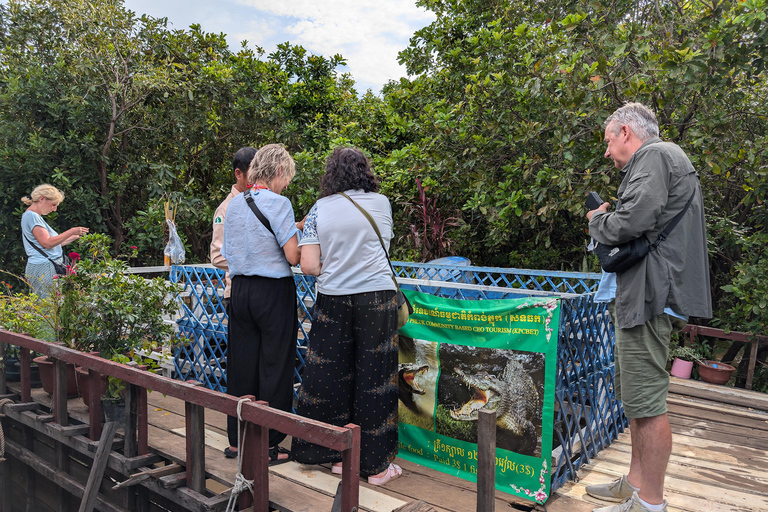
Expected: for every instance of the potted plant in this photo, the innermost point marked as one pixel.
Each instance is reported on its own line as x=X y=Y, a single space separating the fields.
x=682 y=358
x=715 y=372
x=114 y=312
x=26 y=313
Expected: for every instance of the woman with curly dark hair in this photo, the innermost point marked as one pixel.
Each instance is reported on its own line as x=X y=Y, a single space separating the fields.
x=351 y=372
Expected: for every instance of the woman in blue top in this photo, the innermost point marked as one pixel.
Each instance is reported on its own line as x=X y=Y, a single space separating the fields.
x=43 y=200
x=263 y=319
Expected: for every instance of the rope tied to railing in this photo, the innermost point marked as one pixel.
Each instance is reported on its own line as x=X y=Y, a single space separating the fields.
x=3 y=402
x=241 y=484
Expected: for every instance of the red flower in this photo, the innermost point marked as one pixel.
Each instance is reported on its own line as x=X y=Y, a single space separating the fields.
x=134 y=247
x=74 y=257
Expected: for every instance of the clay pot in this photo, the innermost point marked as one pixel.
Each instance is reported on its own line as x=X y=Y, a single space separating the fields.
x=681 y=368
x=715 y=372
x=46 y=377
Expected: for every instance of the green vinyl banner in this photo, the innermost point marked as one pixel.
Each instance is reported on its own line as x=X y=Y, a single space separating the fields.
x=458 y=357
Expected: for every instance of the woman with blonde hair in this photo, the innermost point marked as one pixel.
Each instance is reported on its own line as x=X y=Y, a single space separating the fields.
x=41 y=242
x=260 y=244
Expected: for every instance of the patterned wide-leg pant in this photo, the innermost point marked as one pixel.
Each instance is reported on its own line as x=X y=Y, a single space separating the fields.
x=351 y=376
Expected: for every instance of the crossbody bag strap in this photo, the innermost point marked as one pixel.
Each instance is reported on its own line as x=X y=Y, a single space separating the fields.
x=257 y=212
x=378 y=233
x=37 y=248
x=674 y=222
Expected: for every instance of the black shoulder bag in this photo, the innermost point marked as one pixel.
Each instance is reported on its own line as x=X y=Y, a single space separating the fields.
x=404 y=308
x=59 y=268
x=620 y=258
x=257 y=212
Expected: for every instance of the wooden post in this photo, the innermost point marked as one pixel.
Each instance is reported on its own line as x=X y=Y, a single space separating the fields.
x=62 y=463
x=486 y=461
x=3 y=362
x=29 y=444
x=131 y=446
x=94 y=407
x=60 y=414
x=99 y=465
x=142 y=429
x=195 y=426
x=26 y=377
x=752 y=360
x=350 y=472
x=256 y=464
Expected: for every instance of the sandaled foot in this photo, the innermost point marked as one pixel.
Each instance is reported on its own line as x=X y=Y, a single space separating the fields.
x=392 y=472
x=230 y=453
x=336 y=468
x=278 y=455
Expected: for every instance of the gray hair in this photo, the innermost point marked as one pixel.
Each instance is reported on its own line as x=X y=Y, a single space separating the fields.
x=270 y=162
x=640 y=119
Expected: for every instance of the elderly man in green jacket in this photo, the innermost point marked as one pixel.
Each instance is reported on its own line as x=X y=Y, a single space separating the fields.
x=655 y=297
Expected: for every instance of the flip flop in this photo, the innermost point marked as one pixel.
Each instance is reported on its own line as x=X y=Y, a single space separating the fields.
x=230 y=454
x=336 y=469
x=393 y=471
x=274 y=456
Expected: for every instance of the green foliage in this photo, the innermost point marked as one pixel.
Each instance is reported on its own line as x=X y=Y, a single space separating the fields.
x=509 y=99
x=110 y=310
x=685 y=353
x=98 y=306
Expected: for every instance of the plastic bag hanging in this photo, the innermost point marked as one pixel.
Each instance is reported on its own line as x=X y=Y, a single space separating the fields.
x=174 y=249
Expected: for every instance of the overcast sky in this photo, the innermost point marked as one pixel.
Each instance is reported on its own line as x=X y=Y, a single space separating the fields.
x=368 y=33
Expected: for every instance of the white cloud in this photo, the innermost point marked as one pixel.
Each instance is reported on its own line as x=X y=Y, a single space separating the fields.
x=368 y=33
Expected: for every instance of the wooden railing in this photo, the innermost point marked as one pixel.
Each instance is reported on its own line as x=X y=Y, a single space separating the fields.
x=754 y=340
x=259 y=418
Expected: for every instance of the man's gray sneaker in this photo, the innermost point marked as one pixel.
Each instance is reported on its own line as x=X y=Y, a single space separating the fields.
x=615 y=491
x=631 y=504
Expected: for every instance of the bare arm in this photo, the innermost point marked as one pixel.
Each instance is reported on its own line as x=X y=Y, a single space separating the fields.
x=49 y=242
x=292 y=250
x=310 y=260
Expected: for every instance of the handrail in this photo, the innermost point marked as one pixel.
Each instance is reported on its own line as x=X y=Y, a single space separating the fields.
x=344 y=439
x=754 y=339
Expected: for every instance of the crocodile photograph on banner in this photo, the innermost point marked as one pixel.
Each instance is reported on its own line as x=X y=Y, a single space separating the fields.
x=460 y=357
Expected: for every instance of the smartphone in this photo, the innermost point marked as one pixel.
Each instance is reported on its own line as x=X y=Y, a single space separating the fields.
x=593 y=201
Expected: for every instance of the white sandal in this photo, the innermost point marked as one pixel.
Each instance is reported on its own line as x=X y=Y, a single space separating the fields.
x=336 y=468
x=393 y=471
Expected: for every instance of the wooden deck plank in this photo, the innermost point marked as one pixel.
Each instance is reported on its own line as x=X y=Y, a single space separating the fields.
x=677 y=503
x=719 y=460
x=676 y=487
x=727 y=476
x=717 y=393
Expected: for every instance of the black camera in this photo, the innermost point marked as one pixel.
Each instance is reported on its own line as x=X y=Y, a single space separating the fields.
x=593 y=201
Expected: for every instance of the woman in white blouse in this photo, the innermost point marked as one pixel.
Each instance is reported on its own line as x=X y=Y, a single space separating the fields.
x=351 y=372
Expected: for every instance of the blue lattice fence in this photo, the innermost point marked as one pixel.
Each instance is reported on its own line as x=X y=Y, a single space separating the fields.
x=587 y=415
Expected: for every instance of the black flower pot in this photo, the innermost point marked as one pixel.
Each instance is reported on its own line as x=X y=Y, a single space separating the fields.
x=113 y=409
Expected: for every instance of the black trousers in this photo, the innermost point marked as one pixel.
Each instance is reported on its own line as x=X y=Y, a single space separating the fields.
x=263 y=325
x=351 y=376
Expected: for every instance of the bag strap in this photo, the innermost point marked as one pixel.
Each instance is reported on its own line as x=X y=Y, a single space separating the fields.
x=38 y=249
x=378 y=233
x=257 y=212
x=667 y=230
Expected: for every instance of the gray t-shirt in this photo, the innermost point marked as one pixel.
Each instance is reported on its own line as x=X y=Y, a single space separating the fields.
x=29 y=220
x=353 y=260
x=248 y=246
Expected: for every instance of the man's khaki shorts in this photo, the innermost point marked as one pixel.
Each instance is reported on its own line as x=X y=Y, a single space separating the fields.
x=641 y=380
